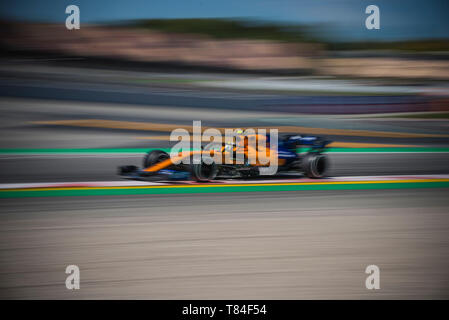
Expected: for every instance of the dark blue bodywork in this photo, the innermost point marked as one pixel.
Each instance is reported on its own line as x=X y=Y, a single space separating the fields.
x=288 y=147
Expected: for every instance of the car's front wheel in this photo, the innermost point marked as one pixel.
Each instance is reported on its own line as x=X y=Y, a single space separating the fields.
x=204 y=172
x=154 y=157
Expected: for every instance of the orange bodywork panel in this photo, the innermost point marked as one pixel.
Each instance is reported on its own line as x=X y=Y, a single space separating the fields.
x=248 y=150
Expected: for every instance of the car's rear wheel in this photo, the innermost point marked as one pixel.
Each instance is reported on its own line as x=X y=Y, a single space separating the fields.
x=154 y=157
x=315 y=165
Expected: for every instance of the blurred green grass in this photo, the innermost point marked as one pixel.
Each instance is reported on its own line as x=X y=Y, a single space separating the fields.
x=228 y=29
x=430 y=115
x=260 y=30
x=433 y=45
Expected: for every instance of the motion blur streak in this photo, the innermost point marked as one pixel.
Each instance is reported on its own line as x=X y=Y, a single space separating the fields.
x=77 y=104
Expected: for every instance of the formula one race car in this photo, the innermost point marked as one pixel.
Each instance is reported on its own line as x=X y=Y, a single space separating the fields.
x=295 y=153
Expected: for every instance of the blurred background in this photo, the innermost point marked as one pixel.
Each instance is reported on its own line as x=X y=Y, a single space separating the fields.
x=75 y=104
x=306 y=63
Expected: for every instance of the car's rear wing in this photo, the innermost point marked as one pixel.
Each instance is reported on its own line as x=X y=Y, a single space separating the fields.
x=312 y=141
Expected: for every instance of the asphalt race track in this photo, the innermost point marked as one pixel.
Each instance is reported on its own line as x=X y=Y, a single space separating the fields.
x=241 y=245
x=385 y=203
x=280 y=245
x=103 y=167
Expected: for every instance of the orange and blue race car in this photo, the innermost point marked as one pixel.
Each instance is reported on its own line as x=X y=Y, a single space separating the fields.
x=293 y=154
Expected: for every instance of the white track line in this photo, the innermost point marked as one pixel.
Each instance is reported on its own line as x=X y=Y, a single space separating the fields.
x=133 y=183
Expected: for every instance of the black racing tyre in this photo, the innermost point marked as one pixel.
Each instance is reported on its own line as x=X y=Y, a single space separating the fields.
x=203 y=172
x=153 y=157
x=315 y=165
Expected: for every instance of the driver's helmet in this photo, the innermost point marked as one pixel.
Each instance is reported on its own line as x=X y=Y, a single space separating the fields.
x=239 y=138
x=238 y=133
